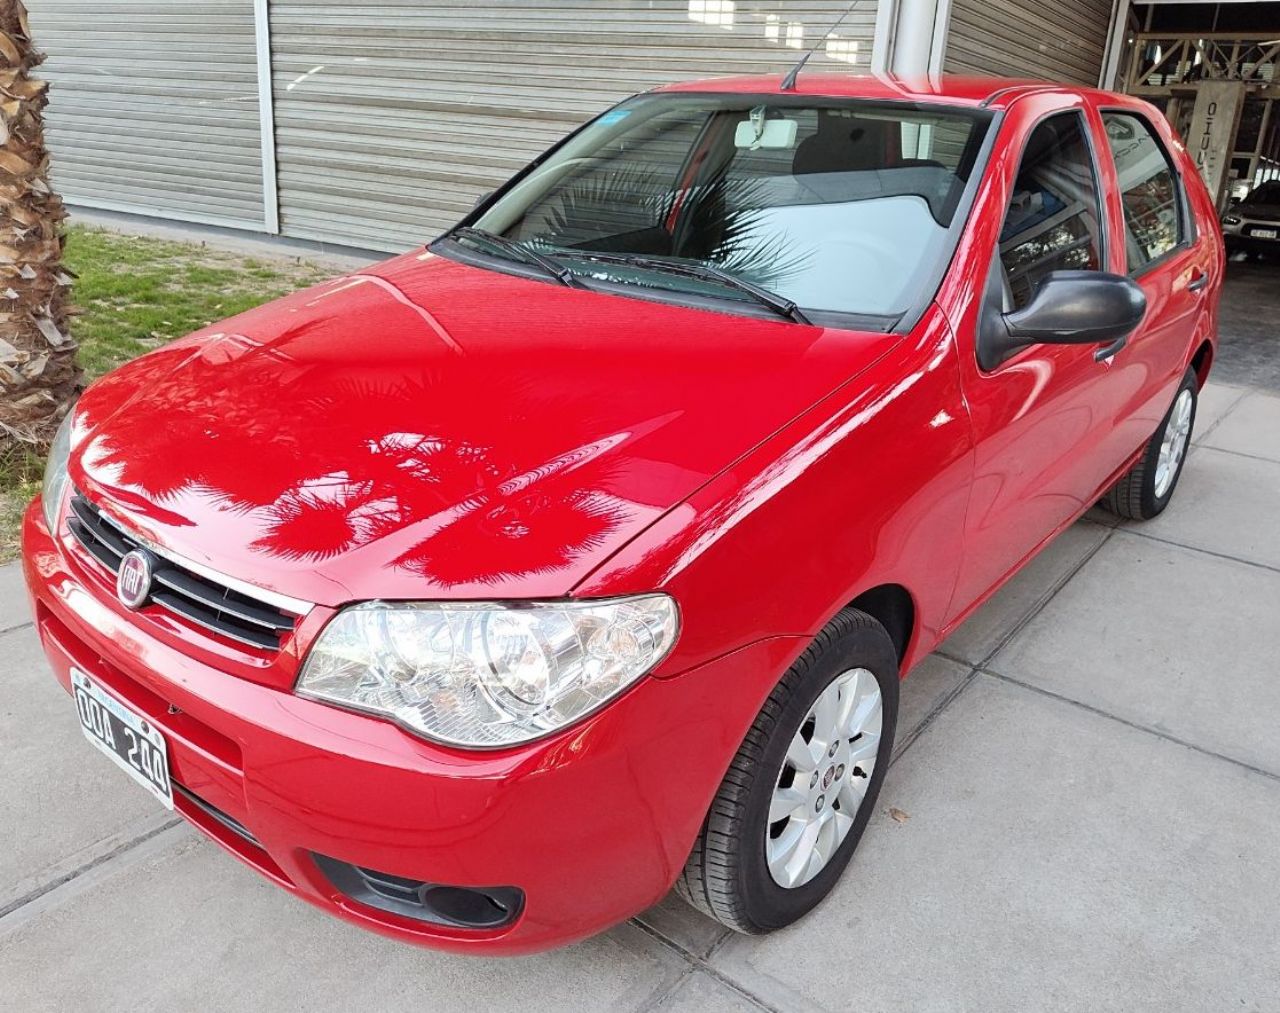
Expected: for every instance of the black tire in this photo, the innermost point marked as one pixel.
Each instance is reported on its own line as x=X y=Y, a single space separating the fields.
x=727 y=874
x=1134 y=496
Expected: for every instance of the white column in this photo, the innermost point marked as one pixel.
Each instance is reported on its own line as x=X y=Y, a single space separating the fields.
x=911 y=37
x=1115 y=45
x=266 y=118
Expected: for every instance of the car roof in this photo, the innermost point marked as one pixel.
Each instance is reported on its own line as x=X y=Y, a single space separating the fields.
x=993 y=92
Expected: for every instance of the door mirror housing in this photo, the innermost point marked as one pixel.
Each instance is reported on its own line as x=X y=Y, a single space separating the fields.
x=482 y=199
x=1068 y=308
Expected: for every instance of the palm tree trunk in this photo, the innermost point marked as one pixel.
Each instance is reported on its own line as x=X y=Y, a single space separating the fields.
x=39 y=377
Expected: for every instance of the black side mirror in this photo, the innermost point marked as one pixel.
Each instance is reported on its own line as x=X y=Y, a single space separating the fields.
x=1068 y=308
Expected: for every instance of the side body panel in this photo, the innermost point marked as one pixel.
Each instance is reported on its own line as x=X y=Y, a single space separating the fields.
x=1044 y=421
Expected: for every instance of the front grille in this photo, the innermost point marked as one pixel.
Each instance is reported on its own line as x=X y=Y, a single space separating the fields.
x=177 y=589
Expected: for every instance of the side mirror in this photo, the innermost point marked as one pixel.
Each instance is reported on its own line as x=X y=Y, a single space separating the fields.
x=482 y=198
x=1068 y=308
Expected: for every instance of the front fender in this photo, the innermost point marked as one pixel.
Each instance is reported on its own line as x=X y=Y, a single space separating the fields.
x=868 y=487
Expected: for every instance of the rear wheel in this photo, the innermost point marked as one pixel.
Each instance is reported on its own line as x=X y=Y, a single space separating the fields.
x=801 y=788
x=1147 y=487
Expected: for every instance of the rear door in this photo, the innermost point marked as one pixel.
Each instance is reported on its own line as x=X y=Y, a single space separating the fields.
x=1155 y=242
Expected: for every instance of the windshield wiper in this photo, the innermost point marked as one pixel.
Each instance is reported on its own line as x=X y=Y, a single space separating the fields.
x=517 y=250
x=706 y=272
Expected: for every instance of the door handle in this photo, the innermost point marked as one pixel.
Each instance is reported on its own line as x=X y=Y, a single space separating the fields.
x=1103 y=354
x=1198 y=282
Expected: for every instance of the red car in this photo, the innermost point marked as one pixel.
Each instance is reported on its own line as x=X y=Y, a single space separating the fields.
x=483 y=596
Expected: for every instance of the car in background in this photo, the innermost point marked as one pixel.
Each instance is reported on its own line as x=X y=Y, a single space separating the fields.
x=482 y=596
x=1253 y=224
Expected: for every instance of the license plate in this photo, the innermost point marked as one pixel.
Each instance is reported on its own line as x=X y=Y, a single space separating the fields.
x=1264 y=233
x=132 y=742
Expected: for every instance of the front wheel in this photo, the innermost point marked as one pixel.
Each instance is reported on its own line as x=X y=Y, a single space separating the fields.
x=802 y=786
x=1146 y=488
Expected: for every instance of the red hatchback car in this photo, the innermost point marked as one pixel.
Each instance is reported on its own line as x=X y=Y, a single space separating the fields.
x=482 y=596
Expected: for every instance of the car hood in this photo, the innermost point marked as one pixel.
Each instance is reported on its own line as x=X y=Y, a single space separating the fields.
x=427 y=429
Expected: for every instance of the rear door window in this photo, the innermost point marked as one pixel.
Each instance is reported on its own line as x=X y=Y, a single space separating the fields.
x=1150 y=190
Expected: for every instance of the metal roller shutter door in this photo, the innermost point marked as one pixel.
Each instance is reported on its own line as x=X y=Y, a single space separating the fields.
x=1029 y=38
x=391 y=118
x=154 y=106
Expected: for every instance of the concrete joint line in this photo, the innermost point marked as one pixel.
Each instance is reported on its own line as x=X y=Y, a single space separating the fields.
x=1136 y=726
x=1017 y=628
x=658 y=998
x=1236 y=453
x=697 y=963
x=1045 y=599
x=1195 y=548
x=60 y=882
x=1244 y=393
x=932 y=716
x=20 y=626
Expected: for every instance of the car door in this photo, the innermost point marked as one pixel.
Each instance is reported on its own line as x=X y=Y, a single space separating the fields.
x=1043 y=418
x=1154 y=241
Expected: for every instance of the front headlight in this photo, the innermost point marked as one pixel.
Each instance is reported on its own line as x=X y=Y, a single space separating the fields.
x=55 y=474
x=1230 y=219
x=487 y=675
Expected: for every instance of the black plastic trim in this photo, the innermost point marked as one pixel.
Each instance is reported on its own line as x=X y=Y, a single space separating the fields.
x=200 y=600
x=216 y=814
x=463 y=907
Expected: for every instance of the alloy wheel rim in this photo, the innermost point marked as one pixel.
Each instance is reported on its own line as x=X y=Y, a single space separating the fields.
x=824 y=778
x=1173 y=445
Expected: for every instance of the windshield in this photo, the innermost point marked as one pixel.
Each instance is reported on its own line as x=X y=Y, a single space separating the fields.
x=842 y=206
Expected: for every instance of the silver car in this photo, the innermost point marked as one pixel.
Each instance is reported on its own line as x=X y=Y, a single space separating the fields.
x=1253 y=225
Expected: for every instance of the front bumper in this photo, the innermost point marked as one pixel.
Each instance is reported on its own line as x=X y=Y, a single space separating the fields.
x=592 y=825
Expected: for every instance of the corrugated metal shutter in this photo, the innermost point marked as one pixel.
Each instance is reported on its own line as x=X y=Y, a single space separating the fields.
x=391 y=118
x=1040 y=39
x=154 y=106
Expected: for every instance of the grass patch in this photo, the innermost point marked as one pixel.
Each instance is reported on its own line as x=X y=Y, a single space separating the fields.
x=134 y=294
x=137 y=293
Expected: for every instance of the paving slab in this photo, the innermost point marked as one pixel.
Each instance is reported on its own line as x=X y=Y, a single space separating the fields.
x=1169 y=638
x=62 y=804
x=1053 y=859
x=177 y=924
x=1252 y=427
x=1224 y=503
x=923 y=690
x=701 y=993
x=14 y=607
x=1247 y=327
x=673 y=919
x=992 y=624
x=1215 y=401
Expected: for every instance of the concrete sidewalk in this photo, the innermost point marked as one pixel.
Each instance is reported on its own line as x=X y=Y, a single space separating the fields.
x=1089 y=772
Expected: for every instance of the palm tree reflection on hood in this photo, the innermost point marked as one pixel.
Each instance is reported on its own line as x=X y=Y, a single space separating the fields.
x=325 y=465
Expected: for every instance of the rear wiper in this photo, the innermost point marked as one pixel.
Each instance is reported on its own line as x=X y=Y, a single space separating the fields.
x=706 y=272
x=517 y=250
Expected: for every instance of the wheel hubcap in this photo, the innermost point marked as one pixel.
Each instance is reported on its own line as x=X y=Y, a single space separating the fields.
x=1173 y=445
x=824 y=778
